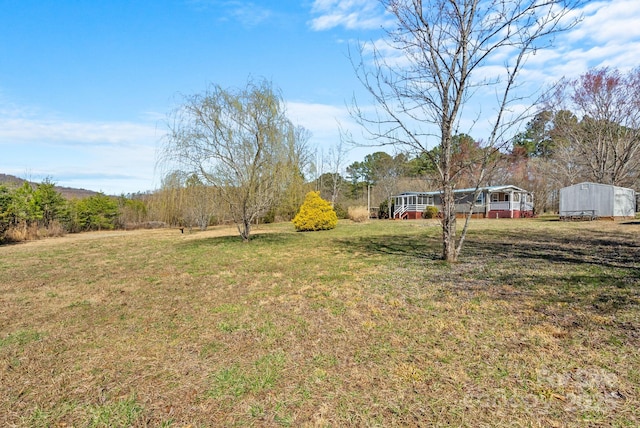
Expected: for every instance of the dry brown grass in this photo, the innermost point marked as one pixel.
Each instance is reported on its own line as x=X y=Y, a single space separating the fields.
x=538 y=325
x=22 y=232
x=358 y=214
x=30 y=232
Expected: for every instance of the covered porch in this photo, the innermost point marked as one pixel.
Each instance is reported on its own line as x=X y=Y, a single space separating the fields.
x=411 y=205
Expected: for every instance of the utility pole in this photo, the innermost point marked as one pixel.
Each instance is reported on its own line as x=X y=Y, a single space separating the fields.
x=368 y=200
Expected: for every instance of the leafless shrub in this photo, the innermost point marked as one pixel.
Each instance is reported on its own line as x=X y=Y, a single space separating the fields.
x=358 y=214
x=22 y=232
x=54 y=229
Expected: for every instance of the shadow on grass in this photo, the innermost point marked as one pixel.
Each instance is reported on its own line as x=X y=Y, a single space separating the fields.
x=406 y=246
x=595 y=248
x=587 y=248
x=235 y=241
x=592 y=269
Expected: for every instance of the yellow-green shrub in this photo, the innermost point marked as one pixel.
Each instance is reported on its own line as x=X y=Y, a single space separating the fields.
x=430 y=212
x=315 y=214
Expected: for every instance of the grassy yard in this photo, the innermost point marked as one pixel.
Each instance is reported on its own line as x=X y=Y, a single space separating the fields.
x=538 y=325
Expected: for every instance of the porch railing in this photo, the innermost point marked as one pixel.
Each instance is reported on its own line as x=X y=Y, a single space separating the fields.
x=507 y=206
x=502 y=206
x=400 y=210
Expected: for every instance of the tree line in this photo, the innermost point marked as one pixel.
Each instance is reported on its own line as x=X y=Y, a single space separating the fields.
x=31 y=211
x=586 y=131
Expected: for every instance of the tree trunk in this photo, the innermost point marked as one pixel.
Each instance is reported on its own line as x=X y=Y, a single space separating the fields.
x=245 y=229
x=448 y=224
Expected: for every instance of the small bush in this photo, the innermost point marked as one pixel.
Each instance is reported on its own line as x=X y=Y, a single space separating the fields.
x=340 y=211
x=315 y=214
x=430 y=212
x=358 y=214
x=54 y=229
x=32 y=231
x=268 y=217
x=22 y=232
x=383 y=209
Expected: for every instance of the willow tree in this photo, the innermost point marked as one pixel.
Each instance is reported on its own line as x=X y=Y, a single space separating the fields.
x=441 y=58
x=241 y=142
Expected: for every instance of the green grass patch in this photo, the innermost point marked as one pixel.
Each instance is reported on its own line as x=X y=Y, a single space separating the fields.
x=237 y=381
x=20 y=338
x=121 y=413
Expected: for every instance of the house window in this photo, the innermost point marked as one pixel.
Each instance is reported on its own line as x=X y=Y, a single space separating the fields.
x=516 y=197
x=425 y=200
x=499 y=197
x=480 y=199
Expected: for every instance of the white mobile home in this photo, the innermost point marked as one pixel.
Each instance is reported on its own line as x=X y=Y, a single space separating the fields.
x=594 y=200
x=490 y=202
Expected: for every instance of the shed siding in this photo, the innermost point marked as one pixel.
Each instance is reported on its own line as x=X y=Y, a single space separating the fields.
x=625 y=202
x=604 y=200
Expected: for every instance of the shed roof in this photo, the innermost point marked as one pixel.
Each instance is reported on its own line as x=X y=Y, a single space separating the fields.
x=590 y=183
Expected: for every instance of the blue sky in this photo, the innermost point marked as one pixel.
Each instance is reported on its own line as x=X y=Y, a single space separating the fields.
x=85 y=85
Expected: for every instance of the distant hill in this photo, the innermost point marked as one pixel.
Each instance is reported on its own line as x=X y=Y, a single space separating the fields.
x=10 y=180
x=68 y=192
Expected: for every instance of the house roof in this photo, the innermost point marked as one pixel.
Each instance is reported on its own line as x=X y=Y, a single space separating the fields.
x=489 y=189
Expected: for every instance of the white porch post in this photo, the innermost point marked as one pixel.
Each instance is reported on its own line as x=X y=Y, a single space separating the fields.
x=404 y=205
x=511 y=204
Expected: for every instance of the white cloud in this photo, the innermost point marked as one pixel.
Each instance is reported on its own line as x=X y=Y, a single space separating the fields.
x=113 y=157
x=604 y=22
x=608 y=35
x=385 y=52
x=16 y=129
x=249 y=14
x=326 y=122
x=113 y=171
x=350 y=14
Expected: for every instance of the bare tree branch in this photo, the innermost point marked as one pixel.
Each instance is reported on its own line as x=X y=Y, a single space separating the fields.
x=444 y=48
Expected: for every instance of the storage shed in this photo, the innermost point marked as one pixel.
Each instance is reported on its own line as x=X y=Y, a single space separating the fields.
x=594 y=200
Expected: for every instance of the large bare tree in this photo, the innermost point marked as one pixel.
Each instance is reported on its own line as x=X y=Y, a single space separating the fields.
x=239 y=141
x=597 y=125
x=450 y=55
